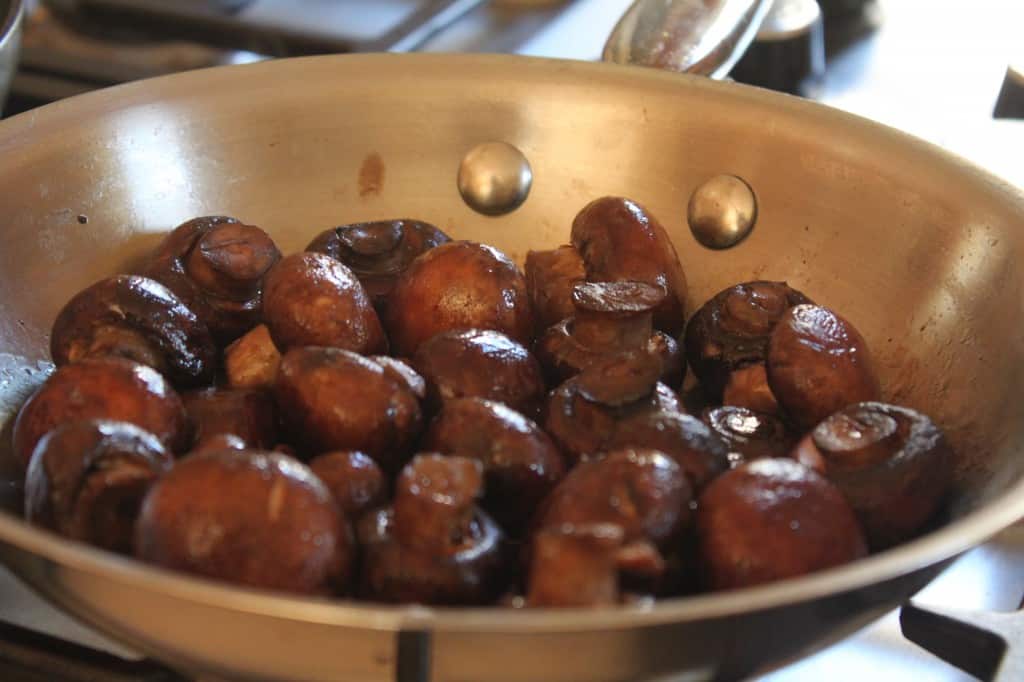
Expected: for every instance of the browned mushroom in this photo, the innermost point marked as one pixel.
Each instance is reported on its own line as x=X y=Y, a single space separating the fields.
x=699 y=452
x=644 y=492
x=378 y=252
x=253 y=518
x=216 y=265
x=748 y=434
x=354 y=479
x=892 y=464
x=332 y=399
x=818 y=363
x=252 y=360
x=249 y=415
x=139 y=319
x=609 y=318
x=458 y=285
x=550 y=276
x=102 y=388
x=402 y=372
x=772 y=519
x=310 y=299
x=87 y=479
x=619 y=240
x=521 y=464
x=219 y=443
x=582 y=415
x=480 y=363
x=575 y=566
x=729 y=335
x=435 y=546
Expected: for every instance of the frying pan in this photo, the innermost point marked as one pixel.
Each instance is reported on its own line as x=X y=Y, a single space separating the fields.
x=919 y=249
x=10 y=40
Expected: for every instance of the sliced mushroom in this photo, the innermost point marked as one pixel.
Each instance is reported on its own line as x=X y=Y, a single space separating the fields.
x=102 y=388
x=86 y=480
x=575 y=565
x=619 y=240
x=252 y=360
x=458 y=285
x=892 y=464
x=139 y=319
x=379 y=251
x=550 y=276
x=216 y=265
x=609 y=318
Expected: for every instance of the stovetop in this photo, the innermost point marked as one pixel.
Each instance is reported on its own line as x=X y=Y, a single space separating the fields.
x=933 y=68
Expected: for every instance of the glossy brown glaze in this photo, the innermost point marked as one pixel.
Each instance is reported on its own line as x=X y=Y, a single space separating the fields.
x=608 y=318
x=773 y=519
x=732 y=329
x=434 y=546
x=521 y=463
x=748 y=434
x=139 y=319
x=550 y=276
x=310 y=299
x=818 y=363
x=252 y=360
x=480 y=363
x=216 y=265
x=331 y=399
x=458 y=285
x=699 y=452
x=252 y=518
x=619 y=240
x=102 y=388
x=379 y=251
x=219 y=443
x=354 y=479
x=892 y=463
x=575 y=565
x=748 y=387
x=86 y=480
x=248 y=414
x=644 y=492
x=403 y=372
x=583 y=425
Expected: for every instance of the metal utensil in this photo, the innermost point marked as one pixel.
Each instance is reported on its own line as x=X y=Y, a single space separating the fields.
x=10 y=41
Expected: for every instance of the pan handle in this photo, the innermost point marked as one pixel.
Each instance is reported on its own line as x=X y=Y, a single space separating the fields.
x=703 y=37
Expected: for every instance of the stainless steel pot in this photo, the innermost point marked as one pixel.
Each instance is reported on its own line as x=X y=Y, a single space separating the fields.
x=919 y=249
x=10 y=41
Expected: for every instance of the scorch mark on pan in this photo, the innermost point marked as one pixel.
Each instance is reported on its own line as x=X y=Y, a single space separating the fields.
x=371 y=175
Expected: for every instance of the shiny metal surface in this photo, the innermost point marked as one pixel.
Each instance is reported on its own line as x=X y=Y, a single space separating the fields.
x=11 y=12
x=494 y=178
x=703 y=37
x=722 y=211
x=910 y=247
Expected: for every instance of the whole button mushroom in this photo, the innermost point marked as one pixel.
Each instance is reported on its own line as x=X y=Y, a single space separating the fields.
x=402 y=372
x=892 y=464
x=699 y=452
x=818 y=363
x=550 y=276
x=249 y=415
x=216 y=265
x=102 y=388
x=458 y=285
x=619 y=240
x=310 y=299
x=379 y=251
x=86 y=480
x=434 y=546
x=521 y=463
x=480 y=363
x=727 y=342
x=772 y=519
x=252 y=518
x=331 y=399
x=139 y=319
x=583 y=413
x=644 y=492
x=609 y=318
x=748 y=434
x=354 y=479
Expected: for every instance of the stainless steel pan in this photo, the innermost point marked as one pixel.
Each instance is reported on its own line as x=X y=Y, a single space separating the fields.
x=10 y=40
x=919 y=249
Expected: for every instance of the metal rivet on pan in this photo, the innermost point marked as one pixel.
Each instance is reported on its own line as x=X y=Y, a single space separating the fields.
x=722 y=212
x=495 y=178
